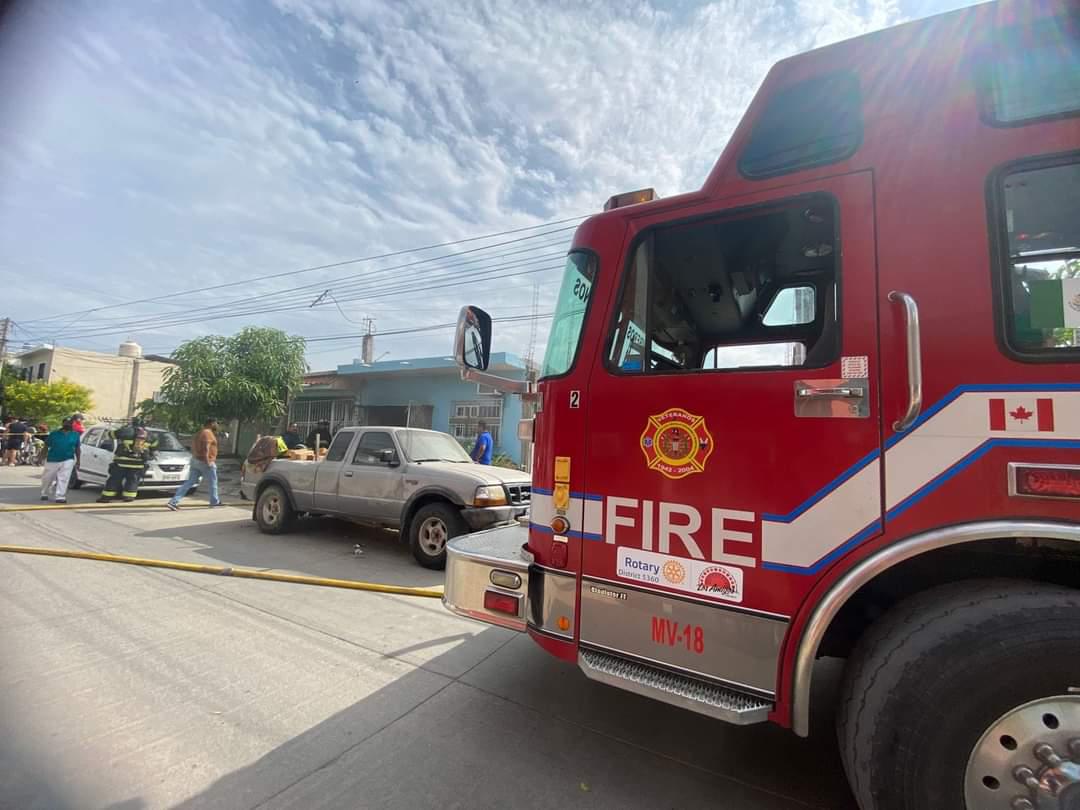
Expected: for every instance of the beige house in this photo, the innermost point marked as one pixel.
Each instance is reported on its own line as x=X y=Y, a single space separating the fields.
x=118 y=382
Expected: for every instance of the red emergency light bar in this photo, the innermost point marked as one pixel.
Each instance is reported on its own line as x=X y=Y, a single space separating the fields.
x=630 y=198
x=1044 y=481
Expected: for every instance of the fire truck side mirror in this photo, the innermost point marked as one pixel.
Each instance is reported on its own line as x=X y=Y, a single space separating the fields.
x=472 y=342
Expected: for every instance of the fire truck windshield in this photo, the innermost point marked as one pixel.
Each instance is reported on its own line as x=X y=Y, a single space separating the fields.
x=562 y=347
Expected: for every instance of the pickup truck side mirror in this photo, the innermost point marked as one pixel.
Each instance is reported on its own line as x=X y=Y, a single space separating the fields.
x=388 y=457
x=472 y=342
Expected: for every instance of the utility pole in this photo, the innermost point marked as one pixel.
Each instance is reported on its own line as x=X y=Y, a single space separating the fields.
x=5 y=326
x=367 y=351
x=528 y=409
x=530 y=352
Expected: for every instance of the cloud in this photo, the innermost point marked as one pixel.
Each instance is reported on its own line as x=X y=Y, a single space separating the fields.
x=173 y=146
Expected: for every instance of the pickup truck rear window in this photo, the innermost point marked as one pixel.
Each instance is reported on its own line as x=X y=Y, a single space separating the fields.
x=339 y=446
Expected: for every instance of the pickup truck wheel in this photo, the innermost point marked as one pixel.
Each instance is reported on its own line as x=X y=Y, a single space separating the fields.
x=431 y=527
x=967 y=697
x=273 y=512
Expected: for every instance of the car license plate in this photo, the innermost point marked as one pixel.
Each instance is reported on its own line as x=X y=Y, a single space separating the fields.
x=172 y=476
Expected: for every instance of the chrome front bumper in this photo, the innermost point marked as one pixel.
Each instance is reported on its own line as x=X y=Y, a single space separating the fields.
x=493 y=561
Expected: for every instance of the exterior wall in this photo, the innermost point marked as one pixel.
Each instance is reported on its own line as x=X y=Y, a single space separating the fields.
x=431 y=382
x=438 y=390
x=108 y=377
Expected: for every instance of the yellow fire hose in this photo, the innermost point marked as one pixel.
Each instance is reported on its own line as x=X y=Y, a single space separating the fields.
x=219 y=570
x=228 y=571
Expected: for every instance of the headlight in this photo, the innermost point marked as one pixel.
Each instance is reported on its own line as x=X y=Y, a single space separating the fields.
x=492 y=495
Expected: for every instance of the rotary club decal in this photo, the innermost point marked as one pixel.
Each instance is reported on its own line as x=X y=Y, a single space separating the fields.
x=676 y=443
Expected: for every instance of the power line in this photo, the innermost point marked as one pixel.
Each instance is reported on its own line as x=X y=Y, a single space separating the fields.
x=314 y=268
x=386 y=290
x=429 y=328
x=474 y=276
x=354 y=282
x=347 y=284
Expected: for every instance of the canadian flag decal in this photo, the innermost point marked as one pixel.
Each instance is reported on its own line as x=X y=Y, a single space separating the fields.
x=1023 y=414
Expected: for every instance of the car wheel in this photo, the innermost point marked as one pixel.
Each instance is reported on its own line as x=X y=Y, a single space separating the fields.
x=431 y=527
x=75 y=482
x=967 y=697
x=273 y=512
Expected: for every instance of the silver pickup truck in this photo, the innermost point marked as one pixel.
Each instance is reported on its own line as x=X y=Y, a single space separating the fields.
x=417 y=481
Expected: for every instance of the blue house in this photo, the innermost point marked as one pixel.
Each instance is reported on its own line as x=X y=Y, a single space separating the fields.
x=425 y=392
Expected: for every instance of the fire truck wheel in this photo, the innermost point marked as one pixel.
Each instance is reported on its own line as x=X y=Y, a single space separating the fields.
x=431 y=527
x=273 y=512
x=962 y=695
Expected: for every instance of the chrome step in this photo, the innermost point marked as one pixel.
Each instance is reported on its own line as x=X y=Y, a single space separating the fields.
x=720 y=702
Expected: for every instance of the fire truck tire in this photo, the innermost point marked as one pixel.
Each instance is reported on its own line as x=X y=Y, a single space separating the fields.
x=429 y=530
x=273 y=512
x=929 y=681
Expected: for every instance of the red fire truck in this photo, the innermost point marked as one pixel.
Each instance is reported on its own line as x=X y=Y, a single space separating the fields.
x=829 y=405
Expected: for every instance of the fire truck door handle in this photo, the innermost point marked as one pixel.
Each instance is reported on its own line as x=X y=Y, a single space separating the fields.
x=914 y=360
x=830 y=393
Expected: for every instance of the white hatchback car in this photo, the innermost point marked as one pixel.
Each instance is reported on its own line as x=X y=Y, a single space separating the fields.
x=166 y=471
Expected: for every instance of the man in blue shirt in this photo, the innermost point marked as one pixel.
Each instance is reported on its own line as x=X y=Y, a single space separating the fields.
x=63 y=451
x=481 y=452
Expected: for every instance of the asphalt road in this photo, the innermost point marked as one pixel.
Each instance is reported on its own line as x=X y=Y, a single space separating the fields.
x=132 y=688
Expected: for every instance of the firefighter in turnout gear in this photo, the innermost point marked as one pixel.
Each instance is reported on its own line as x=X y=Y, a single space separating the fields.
x=133 y=451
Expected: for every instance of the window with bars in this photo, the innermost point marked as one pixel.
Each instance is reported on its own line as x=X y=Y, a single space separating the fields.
x=467 y=416
x=308 y=413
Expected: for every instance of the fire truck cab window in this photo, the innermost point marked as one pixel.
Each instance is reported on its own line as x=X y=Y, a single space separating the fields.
x=1034 y=74
x=810 y=123
x=1041 y=224
x=753 y=292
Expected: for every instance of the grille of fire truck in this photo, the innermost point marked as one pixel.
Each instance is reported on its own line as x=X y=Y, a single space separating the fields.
x=519 y=495
x=679 y=690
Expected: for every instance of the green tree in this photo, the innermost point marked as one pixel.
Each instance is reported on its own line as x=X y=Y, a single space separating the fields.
x=162 y=414
x=249 y=376
x=46 y=402
x=8 y=374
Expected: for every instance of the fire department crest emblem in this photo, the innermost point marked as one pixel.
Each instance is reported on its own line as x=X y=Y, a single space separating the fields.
x=676 y=443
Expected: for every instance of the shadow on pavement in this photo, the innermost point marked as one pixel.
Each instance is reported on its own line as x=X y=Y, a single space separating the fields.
x=321 y=547
x=428 y=741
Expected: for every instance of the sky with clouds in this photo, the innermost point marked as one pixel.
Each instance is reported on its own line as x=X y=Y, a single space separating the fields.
x=169 y=154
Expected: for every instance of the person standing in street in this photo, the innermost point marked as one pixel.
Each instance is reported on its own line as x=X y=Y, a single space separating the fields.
x=63 y=453
x=16 y=435
x=204 y=449
x=77 y=423
x=481 y=452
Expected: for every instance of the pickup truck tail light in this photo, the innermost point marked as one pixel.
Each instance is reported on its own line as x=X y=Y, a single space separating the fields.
x=1044 y=480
